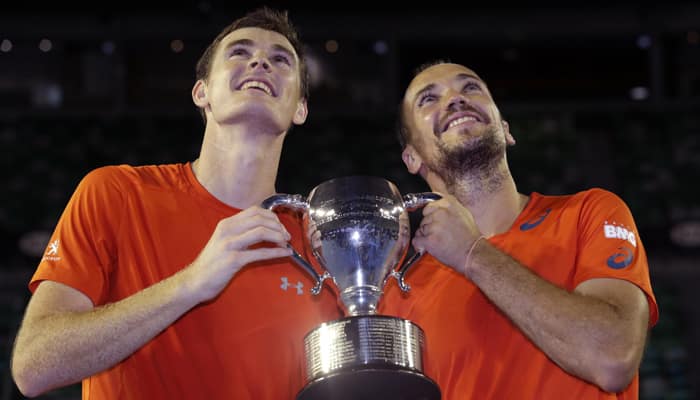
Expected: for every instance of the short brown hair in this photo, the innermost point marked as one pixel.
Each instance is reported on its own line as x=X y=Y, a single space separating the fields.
x=263 y=18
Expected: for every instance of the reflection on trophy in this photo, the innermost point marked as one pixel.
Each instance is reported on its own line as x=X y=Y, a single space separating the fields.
x=359 y=231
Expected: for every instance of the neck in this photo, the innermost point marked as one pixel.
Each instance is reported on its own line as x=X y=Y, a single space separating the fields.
x=491 y=197
x=237 y=168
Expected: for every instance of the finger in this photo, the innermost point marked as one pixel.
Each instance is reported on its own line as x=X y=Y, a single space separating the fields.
x=425 y=225
x=244 y=223
x=418 y=244
x=434 y=206
x=423 y=230
x=256 y=213
x=264 y=253
x=257 y=235
x=257 y=210
x=429 y=208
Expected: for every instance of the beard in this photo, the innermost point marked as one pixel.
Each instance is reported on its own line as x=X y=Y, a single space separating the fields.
x=477 y=162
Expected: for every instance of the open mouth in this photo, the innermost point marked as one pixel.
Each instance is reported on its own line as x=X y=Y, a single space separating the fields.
x=461 y=118
x=257 y=85
x=459 y=121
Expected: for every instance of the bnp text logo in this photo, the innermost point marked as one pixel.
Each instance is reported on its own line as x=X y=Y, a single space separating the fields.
x=618 y=231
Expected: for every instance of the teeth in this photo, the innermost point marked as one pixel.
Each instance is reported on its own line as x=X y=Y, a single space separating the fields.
x=460 y=121
x=257 y=84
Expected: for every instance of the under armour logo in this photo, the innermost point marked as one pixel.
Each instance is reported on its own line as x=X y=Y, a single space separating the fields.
x=53 y=248
x=285 y=284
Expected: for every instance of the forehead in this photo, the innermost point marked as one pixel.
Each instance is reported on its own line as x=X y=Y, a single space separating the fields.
x=253 y=36
x=439 y=75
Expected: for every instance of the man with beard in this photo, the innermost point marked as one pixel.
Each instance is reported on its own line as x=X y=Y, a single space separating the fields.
x=170 y=281
x=520 y=296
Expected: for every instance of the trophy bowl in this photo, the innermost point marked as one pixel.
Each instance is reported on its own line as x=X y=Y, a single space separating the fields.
x=358 y=230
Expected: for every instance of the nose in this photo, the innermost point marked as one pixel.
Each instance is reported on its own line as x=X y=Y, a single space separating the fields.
x=456 y=102
x=259 y=61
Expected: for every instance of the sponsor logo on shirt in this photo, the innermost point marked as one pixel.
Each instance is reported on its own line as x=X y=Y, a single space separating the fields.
x=621 y=259
x=615 y=231
x=533 y=223
x=52 y=251
x=286 y=285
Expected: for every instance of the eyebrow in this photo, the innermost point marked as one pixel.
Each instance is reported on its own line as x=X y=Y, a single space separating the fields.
x=464 y=76
x=425 y=89
x=461 y=76
x=249 y=43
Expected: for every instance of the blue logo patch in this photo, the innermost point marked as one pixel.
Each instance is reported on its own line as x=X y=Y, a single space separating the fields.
x=532 y=224
x=622 y=259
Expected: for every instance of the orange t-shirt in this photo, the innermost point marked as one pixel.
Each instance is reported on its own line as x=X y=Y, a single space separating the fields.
x=473 y=351
x=127 y=228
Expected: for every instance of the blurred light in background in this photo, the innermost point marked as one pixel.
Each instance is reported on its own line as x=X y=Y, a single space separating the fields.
x=639 y=93
x=177 y=45
x=47 y=95
x=5 y=46
x=332 y=46
x=380 y=47
x=34 y=243
x=644 y=42
x=686 y=234
x=45 y=45
x=108 y=47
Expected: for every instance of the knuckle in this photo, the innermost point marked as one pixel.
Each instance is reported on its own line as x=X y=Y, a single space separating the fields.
x=232 y=246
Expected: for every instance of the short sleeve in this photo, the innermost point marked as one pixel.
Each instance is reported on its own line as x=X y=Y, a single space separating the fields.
x=610 y=246
x=81 y=251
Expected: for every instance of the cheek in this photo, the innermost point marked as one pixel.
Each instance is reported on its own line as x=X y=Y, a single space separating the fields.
x=424 y=122
x=220 y=81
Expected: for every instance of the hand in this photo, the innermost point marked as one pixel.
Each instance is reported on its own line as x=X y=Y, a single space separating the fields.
x=229 y=249
x=446 y=232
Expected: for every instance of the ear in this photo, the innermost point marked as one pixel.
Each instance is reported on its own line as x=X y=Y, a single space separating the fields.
x=301 y=113
x=510 y=140
x=199 y=94
x=412 y=159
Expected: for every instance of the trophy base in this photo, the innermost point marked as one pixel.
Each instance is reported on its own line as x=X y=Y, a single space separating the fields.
x=371 y=384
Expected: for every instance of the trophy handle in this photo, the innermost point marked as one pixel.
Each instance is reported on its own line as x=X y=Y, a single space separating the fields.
x=412 y=202
x=297 y=202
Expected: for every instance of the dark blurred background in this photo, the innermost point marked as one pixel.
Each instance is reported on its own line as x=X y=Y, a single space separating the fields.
x=597 y=95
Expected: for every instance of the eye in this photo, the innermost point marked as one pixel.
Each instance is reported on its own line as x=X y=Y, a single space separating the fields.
x=239 y=51
x=469 y=86
x=425 y=99
x=281 y=59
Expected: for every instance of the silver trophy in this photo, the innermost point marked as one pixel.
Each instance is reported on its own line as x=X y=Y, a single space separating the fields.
x=359 y=231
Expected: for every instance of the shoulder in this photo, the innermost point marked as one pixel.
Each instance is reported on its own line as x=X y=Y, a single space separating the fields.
x=108 y=173
x=121 y=177
x=586 y=198
x=598 y=205
x=102 y=178
x=593 y=203
x=598 y=198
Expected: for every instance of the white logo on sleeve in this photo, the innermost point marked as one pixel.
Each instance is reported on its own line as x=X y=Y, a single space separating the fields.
x=285 y=285
x=615 y=231
x=52 y=251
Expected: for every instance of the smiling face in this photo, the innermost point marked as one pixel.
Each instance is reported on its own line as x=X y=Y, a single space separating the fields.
x=452 y=123
x=254 y=77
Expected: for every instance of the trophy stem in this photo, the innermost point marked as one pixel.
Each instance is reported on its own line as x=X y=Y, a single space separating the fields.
x=361 y=300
